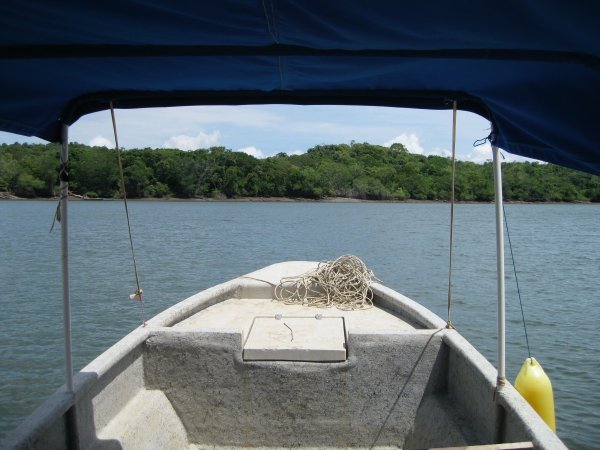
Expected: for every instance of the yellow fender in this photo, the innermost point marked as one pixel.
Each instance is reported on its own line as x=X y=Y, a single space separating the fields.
x=535 y=387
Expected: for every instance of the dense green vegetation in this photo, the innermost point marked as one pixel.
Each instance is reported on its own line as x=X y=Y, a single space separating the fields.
x=358 y=171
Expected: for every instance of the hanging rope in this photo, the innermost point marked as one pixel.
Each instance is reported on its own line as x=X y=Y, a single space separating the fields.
x=480 y=142
x=63 y=177
x=453 y=163
x=516 y=280
x=344 y=283
x=56 y=217
x=137 y=295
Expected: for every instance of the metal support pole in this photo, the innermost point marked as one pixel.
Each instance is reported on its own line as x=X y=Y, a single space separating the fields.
x=500 y=266
x=64 y=227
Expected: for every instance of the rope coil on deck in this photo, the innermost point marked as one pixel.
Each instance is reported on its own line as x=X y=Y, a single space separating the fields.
x=344 y=283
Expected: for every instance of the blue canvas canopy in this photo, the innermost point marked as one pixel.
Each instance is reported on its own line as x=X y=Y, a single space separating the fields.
x=530 y=67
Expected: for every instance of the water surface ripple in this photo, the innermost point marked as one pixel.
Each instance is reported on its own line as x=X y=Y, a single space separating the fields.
x=184 y=247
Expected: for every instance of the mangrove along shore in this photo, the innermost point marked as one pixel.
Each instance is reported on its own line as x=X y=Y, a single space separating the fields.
x=357 y=171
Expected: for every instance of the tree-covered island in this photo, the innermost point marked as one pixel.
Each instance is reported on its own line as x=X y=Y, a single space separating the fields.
x=361 y=171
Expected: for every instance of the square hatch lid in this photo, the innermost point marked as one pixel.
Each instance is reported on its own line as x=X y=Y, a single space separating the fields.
x=284 y=338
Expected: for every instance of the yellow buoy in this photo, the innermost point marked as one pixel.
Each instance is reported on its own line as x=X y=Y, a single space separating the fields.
x=535 y=387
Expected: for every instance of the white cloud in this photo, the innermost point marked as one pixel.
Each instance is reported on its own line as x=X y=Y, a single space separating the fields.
x=483 y=153
x=440 y=152
x=413 y=145
x=410 y=141
x=101 y=141
x=252 y=151
x=479 y=154
x=185 y=142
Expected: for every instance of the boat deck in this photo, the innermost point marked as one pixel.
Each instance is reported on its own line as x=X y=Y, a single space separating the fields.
x=279 y=331
x=186 y=380
x=257 y=299
x=237 y=314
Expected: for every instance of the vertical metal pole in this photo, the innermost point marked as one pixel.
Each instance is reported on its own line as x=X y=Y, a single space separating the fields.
x=500 y=266
x=64 y=227
x=449 y=324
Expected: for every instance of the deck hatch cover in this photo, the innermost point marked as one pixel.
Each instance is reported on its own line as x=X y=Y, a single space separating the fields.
x=287 y=338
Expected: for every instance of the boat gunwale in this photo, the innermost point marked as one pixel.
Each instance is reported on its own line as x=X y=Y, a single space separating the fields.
x=58 y=404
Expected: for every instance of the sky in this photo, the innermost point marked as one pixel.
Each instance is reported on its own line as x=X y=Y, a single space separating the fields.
x=265 y=130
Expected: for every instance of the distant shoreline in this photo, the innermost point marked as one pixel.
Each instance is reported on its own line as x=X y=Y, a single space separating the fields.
x=77 y=198
x=324 y=173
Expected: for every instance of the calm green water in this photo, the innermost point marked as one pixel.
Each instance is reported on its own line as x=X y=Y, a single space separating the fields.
x=185 y=247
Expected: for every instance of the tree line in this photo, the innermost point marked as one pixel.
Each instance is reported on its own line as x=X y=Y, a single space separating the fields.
x=362 y=171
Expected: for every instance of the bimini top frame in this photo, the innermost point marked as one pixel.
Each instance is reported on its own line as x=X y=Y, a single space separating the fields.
x=532 y=75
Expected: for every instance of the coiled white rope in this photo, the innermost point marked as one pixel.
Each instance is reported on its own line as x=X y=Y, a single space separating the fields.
x=344 y=283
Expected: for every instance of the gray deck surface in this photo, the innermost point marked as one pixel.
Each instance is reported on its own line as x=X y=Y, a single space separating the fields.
x=237 y=314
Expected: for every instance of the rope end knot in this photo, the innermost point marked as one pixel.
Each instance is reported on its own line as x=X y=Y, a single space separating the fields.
x=137 y=295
